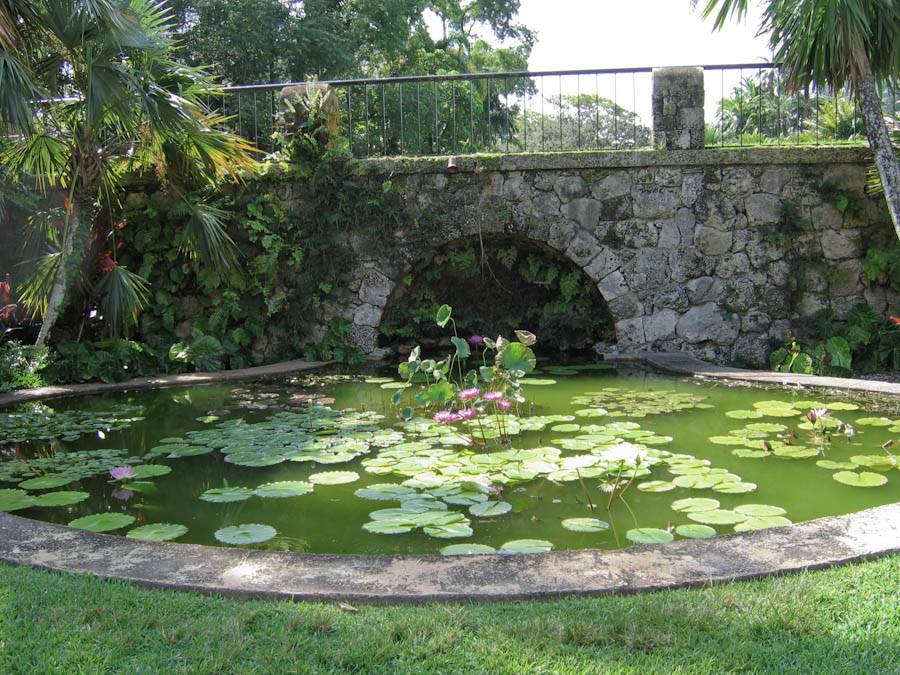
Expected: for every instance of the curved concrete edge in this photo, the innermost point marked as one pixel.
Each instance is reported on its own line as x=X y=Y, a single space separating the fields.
x=415 y=578
x=685 y=364
x=60 y=391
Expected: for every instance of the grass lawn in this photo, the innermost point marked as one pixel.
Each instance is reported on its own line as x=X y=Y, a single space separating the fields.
x=844 y=620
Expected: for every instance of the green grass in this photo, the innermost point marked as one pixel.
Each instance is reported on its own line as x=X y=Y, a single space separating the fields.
x=844 y=620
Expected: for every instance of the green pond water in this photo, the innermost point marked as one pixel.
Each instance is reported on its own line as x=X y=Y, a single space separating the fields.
x=637 y=430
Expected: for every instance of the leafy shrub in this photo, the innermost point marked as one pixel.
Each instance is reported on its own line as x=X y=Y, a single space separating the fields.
x=111 y=360
x=864 y=343
x=202 y=352
x=21 y=366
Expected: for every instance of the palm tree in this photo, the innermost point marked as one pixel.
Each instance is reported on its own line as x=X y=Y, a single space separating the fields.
x=833 y=43
x=89 y=91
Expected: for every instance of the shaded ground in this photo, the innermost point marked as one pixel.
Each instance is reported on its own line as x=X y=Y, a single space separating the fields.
x=840 y=620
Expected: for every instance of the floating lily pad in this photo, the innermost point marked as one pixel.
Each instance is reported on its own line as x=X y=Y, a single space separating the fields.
x=565 y=427
x=467 y=549
x=250 y=533
x=768 y=427
x=284 y=488
x=695 y=531
x=862 y=479
x=877 y=462
x=747 y=453
x=45 y=482
x=648 y=535
x=490 y=508
x=61 y=498
x=150 y=471
x=692 y=504
x=744 y=414
x=695 y=481
x=727 y=440
x=395 y=385
x=227 y=494
x=15 y=500
x=526 y=546
x=735 y=488
x=178 y=451
x=839 y=405
x=536 y=382
x=874 y=422
x=103 y=522
x=378 y=380
x=761 y=523
x=157 y=532
x=835 y=466
x=585 y=524
x=333 y=477
x=385 y=492
x=760 y=510
x=656 y=486
x=717 y=517
x=449 y=531
x=795 y=452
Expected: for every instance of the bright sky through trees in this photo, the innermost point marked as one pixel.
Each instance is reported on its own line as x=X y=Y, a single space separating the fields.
x=581 y=34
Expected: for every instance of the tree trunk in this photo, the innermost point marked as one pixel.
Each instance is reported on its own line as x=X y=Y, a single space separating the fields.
x=71 y=253
x=877 y=133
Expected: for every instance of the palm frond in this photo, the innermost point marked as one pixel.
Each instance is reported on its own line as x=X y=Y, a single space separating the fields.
x=204 y=236
x=34 y=291
x=40 y=156
x=123 y=295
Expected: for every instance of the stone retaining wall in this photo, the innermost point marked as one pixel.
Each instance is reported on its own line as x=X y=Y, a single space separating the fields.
x=714 y=252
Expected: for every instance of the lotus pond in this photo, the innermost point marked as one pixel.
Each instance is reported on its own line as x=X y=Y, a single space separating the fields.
x=597 y=457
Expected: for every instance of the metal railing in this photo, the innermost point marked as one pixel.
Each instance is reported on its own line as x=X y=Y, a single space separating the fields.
x=544 y=111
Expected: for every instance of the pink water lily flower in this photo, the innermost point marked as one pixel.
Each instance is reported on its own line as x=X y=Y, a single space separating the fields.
x=476 y=341
x=445 y=417
x=504 y=404
x=122 y=472
x=816 y=413
x=469 y=394
x=493 y=396
x=467 y=413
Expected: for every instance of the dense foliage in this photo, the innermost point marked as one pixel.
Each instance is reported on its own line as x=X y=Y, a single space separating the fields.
x=504 y=284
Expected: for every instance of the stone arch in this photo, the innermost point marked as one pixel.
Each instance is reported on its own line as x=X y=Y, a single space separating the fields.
x=377 y=283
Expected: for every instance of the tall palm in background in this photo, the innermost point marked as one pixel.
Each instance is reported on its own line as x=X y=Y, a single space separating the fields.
x=833 y=43
x=89 y=91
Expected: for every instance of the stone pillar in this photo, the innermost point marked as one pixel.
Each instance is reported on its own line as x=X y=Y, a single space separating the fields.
x=678 y=108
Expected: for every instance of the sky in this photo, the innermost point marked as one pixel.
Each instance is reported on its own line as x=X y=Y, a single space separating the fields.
x=593 y=34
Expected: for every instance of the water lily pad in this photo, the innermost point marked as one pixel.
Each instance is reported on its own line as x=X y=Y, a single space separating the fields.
x=874 y=422
x=648 y=535
x=490 y=508
x=385 y=492
x=695 y=531
x=157 y=532
x=526 y=546
x=656 y=486
x=795 y=452
x=695 y=482
x=840 y=405
x=15 y=500
x=334 y=477
x=103 y=522
x=283 y=488
x=449 y=531
x=227 y=494
x=747 y=453
x=389 y=526
x=760 y=510
x=744 y=414
x=178 y=451
x=761 y=523
x=727 y=440
x=536 y=382
x=151 y=471
x=395 y=385
x=735 y=488
x=378 y=380
x=835 y=466
x=717 y=517
x=467 y=549
x=768 y=427
x=45 y=482
x=862 y=479
x=877 y=462
x=61 y=498
x=250 y=533
x=692 y=504
x=585 y=524
x=564 y=428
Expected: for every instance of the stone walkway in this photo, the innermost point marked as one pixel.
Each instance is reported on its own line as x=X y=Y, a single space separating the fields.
x=62 y=390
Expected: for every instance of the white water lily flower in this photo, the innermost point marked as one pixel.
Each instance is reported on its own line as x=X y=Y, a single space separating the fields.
x=628 y=453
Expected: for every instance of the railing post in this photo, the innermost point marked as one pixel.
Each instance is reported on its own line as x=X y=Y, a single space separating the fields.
x=678 y=108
